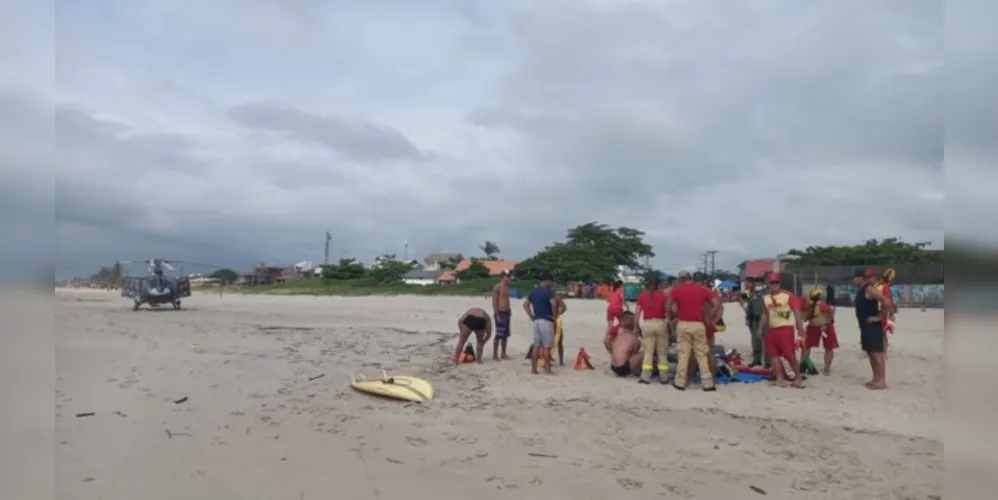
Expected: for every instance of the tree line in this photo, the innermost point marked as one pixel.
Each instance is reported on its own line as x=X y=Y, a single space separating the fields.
x=594 y=253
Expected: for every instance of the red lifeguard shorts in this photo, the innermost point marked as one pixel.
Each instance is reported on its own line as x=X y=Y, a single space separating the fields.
x=814 y=338
x=614 y=313
x=780 y=342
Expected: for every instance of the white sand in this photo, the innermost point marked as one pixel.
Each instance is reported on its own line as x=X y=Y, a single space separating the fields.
x=255 y=427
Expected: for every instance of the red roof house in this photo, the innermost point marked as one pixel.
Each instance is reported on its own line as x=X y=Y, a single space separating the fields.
x=758 y=267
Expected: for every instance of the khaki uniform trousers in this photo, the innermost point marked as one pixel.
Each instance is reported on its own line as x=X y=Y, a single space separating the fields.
x=692 y=341
x=655 y=343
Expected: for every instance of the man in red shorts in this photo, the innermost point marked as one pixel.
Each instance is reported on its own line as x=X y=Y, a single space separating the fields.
x=781 y=319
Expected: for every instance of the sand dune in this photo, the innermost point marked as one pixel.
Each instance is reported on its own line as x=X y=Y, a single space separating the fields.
x=254 y=426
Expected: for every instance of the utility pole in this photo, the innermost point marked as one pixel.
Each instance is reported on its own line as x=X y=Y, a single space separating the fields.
x=711 y=253
x=705 y=260
x=405 y=254
x=329 y=237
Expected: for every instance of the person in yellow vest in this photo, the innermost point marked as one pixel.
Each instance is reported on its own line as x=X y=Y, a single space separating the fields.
x=782 y=317
x=820 y=329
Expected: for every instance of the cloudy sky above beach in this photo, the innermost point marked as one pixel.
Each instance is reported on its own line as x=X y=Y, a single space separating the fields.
x=238 y=131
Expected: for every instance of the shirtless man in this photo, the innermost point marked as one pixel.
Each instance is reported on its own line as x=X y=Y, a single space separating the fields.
x=476 y=321
x=501 y=313
x=625 y=349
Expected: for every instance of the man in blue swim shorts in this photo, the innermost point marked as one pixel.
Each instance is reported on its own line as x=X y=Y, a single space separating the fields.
x=501 y=314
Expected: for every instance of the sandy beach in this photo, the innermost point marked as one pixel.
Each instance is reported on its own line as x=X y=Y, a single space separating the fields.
x=218 y=402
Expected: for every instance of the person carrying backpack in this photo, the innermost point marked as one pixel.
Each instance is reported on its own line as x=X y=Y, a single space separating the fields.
x=752 y=302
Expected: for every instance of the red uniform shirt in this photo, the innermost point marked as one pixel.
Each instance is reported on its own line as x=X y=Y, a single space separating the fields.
x=652 y=304
x=690 y=299
x=616 y=299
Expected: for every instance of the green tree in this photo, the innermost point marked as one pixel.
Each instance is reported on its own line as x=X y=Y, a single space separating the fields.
x=389 y=269
x=569 y=263
x=108 y=275
x=476 y=270
x=624 y=245
x=225 y=276
x=345 y=269
x=452 y=262
x=491 y=250
x=592 y=252
x=890 y=251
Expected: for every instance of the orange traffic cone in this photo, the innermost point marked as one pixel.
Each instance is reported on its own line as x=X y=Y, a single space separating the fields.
x=582 y=361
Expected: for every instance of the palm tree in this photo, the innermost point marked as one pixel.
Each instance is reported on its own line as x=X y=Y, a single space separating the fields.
x=491 y=250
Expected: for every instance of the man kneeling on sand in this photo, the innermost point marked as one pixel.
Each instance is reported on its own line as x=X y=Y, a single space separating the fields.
x=625 y=348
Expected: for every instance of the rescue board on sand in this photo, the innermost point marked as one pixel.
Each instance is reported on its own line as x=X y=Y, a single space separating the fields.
x=396 y=387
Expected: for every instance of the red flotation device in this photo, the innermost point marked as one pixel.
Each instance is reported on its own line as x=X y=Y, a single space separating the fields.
x=757 y=370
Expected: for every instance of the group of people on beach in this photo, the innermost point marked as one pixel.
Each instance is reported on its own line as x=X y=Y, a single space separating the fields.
x=686 y=313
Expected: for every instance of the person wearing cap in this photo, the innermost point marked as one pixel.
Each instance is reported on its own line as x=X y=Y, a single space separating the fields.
x=753 y=303
x=692 y=307
x=501 y=314
x=782 y=318
x=541 y=307
x=820 y=317
x=870 y=304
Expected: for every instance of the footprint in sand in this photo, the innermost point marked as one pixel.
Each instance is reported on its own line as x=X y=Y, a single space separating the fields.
x=630 y=484
x=415 y=441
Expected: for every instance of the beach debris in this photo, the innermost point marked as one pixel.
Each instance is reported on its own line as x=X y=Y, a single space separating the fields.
x=180 y=401
x=542 y=455
x=118 y=413
x=169 y=435
x=317 y=377
x=87 y=414
x=757 y=489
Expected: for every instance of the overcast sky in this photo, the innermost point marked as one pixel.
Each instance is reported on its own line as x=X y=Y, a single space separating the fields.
x=237 y=131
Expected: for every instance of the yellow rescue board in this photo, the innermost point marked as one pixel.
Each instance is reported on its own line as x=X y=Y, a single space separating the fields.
x=396 y=387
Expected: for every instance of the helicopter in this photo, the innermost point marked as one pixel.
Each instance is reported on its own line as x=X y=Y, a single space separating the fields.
x=156 y=289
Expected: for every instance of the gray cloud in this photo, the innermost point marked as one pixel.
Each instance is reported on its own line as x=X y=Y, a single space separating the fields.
x=707 y=124
x=355 y=141
x=615 y=91
x=110 y=145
